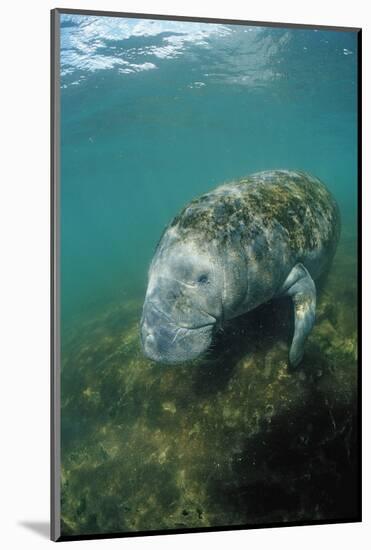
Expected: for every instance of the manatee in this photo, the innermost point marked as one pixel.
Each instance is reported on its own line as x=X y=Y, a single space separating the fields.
x=267 y=235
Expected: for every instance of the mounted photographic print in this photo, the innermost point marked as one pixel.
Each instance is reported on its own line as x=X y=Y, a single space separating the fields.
x=205 y=190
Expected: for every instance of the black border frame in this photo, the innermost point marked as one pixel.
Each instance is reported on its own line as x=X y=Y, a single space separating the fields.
x=55 y=450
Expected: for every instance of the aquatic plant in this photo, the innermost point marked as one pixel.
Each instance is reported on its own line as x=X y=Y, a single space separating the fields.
x=234 y=438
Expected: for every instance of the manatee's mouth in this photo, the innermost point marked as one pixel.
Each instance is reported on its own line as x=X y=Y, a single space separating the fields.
x=165 y=341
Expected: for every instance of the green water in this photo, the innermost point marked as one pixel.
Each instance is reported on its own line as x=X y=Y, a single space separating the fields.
x=152 y=115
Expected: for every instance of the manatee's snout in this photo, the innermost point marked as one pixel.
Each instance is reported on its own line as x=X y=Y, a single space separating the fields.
x=157 y=333
x=164 y=341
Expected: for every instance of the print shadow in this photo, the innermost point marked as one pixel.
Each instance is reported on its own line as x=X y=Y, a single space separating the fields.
x=41 y=528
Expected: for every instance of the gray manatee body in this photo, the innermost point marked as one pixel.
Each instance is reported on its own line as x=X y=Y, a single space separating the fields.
x=267 y=235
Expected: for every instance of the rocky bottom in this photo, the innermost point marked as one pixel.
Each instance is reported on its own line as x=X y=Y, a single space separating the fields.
x=237 y=438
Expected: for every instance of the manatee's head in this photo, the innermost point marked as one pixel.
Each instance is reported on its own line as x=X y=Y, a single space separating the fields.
x=183 y=303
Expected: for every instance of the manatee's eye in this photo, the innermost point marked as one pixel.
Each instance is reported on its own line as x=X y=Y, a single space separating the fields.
x=171 y=295
x=203 y=279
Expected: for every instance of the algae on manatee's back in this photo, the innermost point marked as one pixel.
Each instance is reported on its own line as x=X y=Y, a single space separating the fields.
x=237 y=438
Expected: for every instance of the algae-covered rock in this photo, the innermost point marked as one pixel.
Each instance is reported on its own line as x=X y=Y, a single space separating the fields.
x=234 y=438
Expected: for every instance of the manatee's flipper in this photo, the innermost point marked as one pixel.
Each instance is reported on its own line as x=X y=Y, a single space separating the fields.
x=300 y=286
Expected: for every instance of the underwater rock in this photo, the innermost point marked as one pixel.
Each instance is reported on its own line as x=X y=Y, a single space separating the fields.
x=236 y=438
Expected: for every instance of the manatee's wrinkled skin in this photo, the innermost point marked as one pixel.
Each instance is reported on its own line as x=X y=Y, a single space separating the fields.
x=232 y=249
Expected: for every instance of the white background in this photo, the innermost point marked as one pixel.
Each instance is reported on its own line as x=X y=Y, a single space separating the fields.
x=24 y=272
